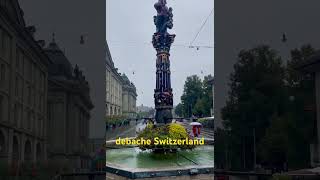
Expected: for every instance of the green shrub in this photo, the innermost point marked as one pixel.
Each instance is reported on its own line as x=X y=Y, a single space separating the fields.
x=177 y=131
x=171 y=131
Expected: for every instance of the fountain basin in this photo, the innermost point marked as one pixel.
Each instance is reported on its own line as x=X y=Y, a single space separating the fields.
x=132 y=163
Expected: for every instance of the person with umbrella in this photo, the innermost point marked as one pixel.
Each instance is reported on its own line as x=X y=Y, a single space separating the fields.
x=196 y=128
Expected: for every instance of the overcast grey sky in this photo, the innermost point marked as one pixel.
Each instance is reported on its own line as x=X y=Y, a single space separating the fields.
x=247 y=23
x=129 y=32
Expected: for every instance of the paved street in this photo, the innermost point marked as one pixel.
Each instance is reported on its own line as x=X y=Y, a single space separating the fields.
x=125 y=131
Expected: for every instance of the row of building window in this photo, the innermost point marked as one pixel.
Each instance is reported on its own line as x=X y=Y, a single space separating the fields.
x=1 y=107
x=17 y=150
x=113 y=89
x=30 y=80
x=39 y=84
x=2 y=75
x=28 y=90
x=5 y=45
x=22 y=119
x=112 y=111
x=29 y=69
x=23 y=64
x=83 y=120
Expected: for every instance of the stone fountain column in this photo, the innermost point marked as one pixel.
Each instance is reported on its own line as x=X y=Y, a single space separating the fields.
x=162 y=41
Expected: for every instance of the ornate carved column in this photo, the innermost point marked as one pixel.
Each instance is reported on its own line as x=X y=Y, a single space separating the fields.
x=162 y=41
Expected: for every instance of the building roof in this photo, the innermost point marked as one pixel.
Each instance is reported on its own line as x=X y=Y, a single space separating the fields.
x=109 y=57
x=61 y=65
x=129 y=86
x=125 y=79
x=14 y=12
x=62 y=76
x=14 y=15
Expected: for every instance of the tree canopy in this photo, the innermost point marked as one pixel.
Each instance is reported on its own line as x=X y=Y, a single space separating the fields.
x=265 y=112
x=196 y=98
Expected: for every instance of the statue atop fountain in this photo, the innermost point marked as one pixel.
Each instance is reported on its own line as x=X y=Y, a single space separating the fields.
x=162 y=41
x=164 y=18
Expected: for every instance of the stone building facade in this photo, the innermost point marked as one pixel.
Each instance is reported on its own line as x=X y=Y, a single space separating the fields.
x=129 y=98
x=113 y=88
x=69 y=106
x=121 y=94
x=44 y=102
x=23 y=89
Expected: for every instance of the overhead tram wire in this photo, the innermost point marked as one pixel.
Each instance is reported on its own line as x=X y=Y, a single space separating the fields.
x=177 y=45
x=203 y=24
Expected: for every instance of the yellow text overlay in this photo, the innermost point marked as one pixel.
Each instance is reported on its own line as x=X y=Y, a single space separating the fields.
x=158 y=141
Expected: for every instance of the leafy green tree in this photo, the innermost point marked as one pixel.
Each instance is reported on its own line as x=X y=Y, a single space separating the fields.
x=288 y=137
x=291 y=134
x=301 y=92
x=274 y=146
x=269 y=101
x=179 y=110
x=208 y=96
x=199 y=108
x=191 y=93
x=256 y=95
x=297 y=78
x=204 y=104
x=197 y=96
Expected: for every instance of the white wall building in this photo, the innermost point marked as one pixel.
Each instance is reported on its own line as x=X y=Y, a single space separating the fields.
x=120 y=92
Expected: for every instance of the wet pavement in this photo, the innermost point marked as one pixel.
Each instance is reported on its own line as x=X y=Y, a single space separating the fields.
x=125 y=130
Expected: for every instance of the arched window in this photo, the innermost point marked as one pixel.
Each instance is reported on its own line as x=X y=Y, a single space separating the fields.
x=1 y=108
x=39 y=152
x=2 y=75
x=3 y=146
x=16 y=114
x=15 y=149
x=27 y=151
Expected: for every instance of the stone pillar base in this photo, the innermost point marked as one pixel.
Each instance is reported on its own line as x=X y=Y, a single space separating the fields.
x=163 y=116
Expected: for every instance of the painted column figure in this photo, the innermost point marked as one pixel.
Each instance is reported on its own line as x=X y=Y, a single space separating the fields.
x=162 y=41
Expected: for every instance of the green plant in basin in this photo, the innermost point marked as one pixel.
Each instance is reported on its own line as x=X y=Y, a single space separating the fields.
x=173 y=131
